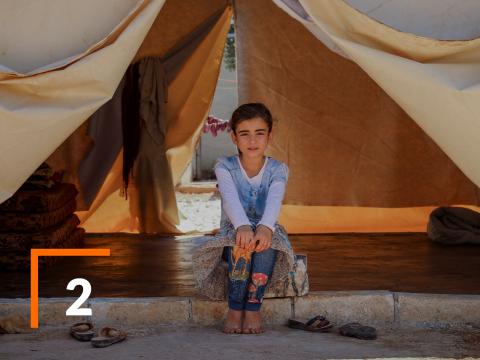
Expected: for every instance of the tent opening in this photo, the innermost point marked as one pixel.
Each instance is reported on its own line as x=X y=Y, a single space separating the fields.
x=215 y=138
x=197 y=198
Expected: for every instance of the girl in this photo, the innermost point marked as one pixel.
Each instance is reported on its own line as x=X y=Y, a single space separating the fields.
x=252 y=188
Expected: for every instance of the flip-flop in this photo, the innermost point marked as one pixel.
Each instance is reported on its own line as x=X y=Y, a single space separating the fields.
x=359 y=331
x=82 y=331
x=316 y=324
x=108 y=336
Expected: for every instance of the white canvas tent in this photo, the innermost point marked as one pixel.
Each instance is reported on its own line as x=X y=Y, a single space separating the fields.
x=359 y=161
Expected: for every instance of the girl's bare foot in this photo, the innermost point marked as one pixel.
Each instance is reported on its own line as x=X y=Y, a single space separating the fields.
x=233 y=322
x=252 y=323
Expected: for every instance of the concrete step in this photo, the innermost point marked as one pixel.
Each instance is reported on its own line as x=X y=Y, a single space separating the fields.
x=383 y=309
x=197 y=187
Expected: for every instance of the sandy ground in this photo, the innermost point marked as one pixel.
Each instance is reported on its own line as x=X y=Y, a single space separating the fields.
x=199 y=212
x=209 y=343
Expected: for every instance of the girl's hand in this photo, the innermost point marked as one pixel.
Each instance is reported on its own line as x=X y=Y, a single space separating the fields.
x=244 y=237
x=264 y=237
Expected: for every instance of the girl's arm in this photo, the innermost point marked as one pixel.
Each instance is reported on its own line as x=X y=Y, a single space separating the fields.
x=275 y=195
x=230 y=199
x=273 y=204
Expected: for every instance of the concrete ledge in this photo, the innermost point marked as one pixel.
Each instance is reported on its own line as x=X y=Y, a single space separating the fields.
x=382 y=309
x=438 y=310
x=208 y=312
x=197 y=187
x=140 y=311
x=51 y=311
x=369 y=307
x=277 y=311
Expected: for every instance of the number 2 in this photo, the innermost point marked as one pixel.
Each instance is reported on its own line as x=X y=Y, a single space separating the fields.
x=75 y=310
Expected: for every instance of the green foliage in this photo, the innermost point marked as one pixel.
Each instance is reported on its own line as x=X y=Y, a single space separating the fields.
x=229 y=55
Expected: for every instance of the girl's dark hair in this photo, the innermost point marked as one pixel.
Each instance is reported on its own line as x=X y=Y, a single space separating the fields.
x=250 y=111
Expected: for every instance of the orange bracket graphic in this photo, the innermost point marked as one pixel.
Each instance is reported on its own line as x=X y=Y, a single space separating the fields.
x=35 y=253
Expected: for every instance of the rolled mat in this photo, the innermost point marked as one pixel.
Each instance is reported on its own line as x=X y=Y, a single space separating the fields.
x=41 y=200
x=46 y=238
x=454 y=226
x=34 y=222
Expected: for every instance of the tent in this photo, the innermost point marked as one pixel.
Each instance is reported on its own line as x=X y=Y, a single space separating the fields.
x=373 y=102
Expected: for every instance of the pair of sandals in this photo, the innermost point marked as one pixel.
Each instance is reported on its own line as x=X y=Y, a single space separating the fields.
x=83 y=331
x=321 y=324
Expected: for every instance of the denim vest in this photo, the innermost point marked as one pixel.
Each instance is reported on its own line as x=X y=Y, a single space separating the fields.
x=253 y=198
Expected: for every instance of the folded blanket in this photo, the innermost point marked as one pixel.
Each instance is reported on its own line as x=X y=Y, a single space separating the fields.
x=38 y=201
x=20 y=259
x=47 y=238
x=210 y=270
x=33 y=222
x=43 y=178
x=454 y=225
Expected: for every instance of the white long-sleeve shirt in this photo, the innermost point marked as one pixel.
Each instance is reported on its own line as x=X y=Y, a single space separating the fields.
x=231 y=200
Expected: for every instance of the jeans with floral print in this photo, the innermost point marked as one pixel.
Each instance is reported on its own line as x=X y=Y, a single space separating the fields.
x=248 y=274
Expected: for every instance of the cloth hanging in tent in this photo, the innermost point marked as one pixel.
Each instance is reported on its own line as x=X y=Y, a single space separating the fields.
x=104 y=128
x=154 y=194
x=153 y=177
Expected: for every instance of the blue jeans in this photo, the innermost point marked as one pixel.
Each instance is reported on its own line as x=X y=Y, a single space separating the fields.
x=248 y=274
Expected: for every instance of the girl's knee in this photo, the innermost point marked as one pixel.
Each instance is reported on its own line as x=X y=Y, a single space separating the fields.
x=264 y=259
x=267 y=252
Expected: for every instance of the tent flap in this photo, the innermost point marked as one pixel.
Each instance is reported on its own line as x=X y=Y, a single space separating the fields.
x=39 y=112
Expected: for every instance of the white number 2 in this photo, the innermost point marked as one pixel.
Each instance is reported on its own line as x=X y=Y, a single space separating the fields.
x=75 y=310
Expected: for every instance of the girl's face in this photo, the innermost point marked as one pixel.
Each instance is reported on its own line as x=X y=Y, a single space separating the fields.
x=252 y=137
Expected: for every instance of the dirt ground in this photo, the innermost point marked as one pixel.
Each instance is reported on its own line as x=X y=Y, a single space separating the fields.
x=209 y=343
x=199 y=212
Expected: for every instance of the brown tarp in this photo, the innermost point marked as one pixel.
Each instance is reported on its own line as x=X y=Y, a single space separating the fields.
x=346 y=141
x=436 y=82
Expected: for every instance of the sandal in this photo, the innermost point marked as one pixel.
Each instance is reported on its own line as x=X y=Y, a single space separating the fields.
x=82 y=331
x=316 y=324
x=359 y=331
x=108 y=336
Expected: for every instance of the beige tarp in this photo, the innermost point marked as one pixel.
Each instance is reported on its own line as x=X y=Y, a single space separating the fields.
x=436 y=19
x=42 y=101
x=358 y=162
